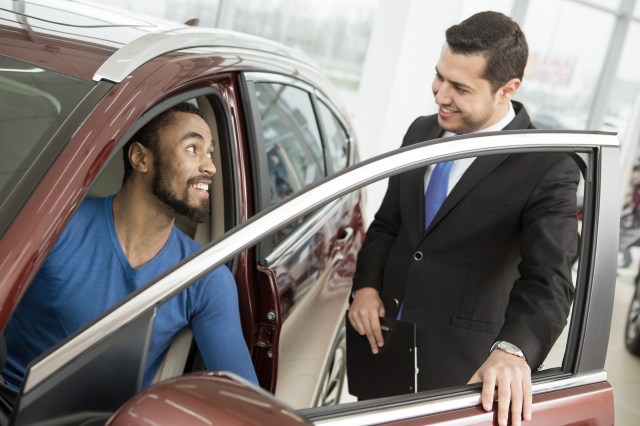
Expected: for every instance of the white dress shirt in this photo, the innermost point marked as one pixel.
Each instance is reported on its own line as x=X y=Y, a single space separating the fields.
x=460 y=166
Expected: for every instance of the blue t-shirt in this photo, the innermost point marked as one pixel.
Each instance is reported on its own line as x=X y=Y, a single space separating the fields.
x=87 y=272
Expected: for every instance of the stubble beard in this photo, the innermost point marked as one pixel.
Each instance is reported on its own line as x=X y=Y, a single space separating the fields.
x=469 y=123
x=162 y=191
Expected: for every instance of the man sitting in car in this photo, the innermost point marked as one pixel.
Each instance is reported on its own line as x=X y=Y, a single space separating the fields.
x=114 y=245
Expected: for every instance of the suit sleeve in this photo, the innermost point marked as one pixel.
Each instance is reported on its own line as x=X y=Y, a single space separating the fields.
x=540 y=300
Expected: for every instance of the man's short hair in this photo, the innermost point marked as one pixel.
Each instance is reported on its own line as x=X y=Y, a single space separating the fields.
x=148 y=135
x=498 y=38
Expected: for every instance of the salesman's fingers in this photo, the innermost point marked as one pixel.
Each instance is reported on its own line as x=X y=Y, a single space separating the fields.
x=488 y=390
x=527 y=395
x=504 y=398
x=367 y=323
x=516 y=403
x=364 y=316
x=374 y=334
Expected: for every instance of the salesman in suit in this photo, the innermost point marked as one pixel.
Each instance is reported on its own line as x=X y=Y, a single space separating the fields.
x=487 y=280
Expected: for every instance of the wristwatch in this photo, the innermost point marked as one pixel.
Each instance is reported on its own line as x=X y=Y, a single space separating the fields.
x=508 y=348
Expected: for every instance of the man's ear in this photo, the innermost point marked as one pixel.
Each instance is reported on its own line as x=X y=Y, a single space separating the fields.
x=509 y=89
x=140 y=157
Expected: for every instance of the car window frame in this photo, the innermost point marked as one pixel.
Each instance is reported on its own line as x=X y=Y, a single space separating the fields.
x=589 y=362
x=321 y=101
x=262 y=194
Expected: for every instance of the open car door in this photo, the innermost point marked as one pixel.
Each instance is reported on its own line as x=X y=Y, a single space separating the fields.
x=106 y=357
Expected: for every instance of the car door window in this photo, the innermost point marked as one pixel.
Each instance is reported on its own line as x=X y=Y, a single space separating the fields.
x=30 y=114
x=336 y=138
x=291 y=137
x=580 y=378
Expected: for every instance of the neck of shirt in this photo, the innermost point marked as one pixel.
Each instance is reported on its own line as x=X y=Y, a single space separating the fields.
x=460 y=166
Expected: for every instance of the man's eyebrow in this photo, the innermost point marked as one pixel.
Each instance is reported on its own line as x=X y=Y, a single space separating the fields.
x=191 y=134
x=455 y=83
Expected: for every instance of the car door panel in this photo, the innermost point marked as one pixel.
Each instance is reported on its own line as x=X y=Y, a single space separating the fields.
x=318 y=275
x=579 y=400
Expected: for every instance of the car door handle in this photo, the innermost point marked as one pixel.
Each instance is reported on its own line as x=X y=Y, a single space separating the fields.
x=345 y=237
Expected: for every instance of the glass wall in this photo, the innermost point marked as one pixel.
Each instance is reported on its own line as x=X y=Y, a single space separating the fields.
x=571 y=68
x=566 y=57
x=206 y=11
x=626 y=85
x=335 y=33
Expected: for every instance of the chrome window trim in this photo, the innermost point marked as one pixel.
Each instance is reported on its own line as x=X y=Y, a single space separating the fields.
x=412 y=409
x=141 y=50
x=264 y=223
x=342 y=119
x=274 y=78
x=300 y=235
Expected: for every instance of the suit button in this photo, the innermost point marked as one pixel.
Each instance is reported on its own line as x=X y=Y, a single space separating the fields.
x=417 y=255
x=397 y=302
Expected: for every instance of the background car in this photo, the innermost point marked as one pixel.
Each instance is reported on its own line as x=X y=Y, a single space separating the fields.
x=632 y=329
x=77 y=80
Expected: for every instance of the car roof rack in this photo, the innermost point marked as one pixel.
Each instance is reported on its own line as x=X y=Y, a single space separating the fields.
x=131 y=56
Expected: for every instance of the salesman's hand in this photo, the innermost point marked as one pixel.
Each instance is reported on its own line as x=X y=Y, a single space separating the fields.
x=512 y=376
x=364 y=314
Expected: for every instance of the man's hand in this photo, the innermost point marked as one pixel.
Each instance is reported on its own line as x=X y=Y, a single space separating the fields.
x=364 y=314
x=512 y=376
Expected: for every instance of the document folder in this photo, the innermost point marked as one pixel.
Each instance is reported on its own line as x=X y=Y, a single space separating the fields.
x=392 y=371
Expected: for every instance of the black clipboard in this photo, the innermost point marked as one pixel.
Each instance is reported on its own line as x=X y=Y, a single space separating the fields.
x=392 y=371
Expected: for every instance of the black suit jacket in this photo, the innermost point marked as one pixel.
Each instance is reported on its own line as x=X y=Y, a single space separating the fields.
x=495 y=263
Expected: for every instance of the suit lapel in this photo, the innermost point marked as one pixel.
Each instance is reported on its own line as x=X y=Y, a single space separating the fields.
x=479 y=170
x=416 y=189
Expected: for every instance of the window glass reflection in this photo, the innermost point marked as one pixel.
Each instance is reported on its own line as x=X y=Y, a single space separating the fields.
x=527 y=272
x=291 y=137
x=337 y=141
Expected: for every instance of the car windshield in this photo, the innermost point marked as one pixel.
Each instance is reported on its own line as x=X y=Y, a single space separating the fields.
x=34 y=102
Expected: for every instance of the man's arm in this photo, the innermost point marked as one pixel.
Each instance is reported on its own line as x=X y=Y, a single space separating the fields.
x=367 y=306
x=216 y=326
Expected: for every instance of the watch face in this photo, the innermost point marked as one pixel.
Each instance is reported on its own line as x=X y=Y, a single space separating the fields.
x=509 y=348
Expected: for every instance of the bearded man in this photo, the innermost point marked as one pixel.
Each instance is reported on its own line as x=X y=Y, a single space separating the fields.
x=112 y=246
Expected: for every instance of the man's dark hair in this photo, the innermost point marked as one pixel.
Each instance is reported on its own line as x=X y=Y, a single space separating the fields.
x=498 y=38
x=148 y=135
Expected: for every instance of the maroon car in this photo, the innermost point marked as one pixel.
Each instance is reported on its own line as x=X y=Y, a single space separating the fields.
x=77 y=81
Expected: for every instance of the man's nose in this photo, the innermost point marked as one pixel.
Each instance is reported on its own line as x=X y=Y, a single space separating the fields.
x=441 y=93
x=207 y=165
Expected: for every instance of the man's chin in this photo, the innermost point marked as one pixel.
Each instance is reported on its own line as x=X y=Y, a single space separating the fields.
x=446 y=125
x=199 y=215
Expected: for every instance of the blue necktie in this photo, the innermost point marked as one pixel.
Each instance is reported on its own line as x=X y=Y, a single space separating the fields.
x=433 y=198
x=436 y=191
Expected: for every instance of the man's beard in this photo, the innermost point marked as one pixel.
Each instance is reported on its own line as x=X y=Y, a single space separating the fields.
x=162 y=190
x=471 y=123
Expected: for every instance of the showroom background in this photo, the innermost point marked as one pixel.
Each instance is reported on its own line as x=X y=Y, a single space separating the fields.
x=583 y=71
